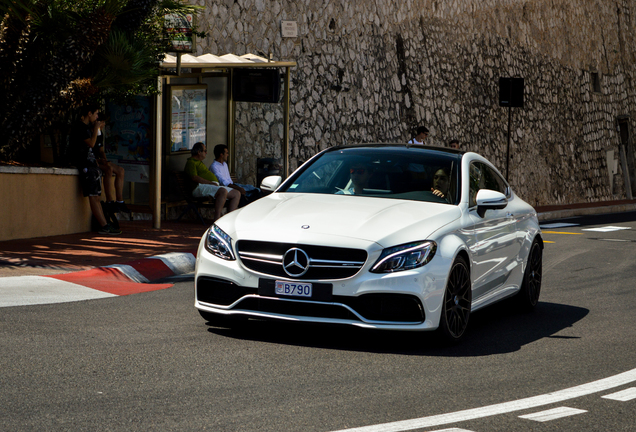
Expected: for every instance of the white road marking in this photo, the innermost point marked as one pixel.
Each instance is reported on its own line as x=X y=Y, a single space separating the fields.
x=623 y=396
x=452 y=430
x=505 y=407
x=558 y=225
x=606 y=229
x=552 y=414
x=35 y=290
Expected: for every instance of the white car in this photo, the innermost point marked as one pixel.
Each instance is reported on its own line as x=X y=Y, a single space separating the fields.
x=382 y=236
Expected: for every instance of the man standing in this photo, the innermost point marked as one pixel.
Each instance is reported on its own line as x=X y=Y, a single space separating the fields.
x=83 y=140
x=222 y=172
x=206 y=183
x=420 y=137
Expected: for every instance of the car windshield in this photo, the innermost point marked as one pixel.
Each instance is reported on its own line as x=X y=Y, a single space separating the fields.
x=398 y=172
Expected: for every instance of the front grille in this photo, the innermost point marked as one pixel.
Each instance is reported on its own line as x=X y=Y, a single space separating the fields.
x=399 y=308
x=325 y=262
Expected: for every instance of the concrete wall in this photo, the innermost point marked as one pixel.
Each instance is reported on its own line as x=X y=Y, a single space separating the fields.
x=372 y=71
x=40 y=202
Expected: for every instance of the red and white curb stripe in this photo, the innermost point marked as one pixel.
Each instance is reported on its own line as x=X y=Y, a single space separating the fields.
x=100 y=282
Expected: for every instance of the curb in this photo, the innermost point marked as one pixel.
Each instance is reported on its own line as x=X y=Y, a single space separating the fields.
x=100 y=282
x=586 y=211
x=157 y=267
x=133 y=277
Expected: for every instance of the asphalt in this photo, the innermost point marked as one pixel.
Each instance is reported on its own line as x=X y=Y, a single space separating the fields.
x=147 y=250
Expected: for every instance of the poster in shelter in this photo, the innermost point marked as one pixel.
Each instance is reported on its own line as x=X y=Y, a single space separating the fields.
x=188 y=116
x=127 y=138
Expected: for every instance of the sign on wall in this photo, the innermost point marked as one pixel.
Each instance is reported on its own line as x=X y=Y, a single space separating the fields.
x=289 y=29
x=188 y=114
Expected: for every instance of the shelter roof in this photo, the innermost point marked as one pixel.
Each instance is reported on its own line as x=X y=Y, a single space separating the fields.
x=210 y=61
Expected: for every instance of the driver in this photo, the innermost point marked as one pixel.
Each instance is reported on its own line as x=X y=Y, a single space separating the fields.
x=360 y=173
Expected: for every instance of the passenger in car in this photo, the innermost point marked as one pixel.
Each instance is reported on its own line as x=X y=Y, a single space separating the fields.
x=441 y=183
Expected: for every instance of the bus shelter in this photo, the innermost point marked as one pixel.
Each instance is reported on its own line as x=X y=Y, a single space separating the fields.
x=197 y=102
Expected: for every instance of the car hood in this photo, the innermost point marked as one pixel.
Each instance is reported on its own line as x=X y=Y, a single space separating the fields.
x=332 y=219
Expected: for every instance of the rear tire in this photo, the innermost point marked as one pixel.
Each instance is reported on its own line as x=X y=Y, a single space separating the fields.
x=528 y=295
x=457 y=302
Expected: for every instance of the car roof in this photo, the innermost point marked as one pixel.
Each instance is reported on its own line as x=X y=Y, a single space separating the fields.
x=400 y=145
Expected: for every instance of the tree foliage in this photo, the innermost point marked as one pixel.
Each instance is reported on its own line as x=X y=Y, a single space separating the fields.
x=55 y=55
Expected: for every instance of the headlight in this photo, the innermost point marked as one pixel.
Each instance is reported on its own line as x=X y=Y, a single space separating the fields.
x=219 y=243
x=405 y=257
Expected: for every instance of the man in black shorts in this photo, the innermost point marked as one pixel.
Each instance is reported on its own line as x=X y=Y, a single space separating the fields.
x=83 y=138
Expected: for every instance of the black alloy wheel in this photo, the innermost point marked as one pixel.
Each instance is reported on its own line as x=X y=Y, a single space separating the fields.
x=531 y=286
x=457 y=302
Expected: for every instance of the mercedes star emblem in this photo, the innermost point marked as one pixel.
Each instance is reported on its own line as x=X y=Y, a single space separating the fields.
x=295 y=262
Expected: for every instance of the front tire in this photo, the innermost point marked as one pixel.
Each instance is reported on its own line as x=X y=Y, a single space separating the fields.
x=457 y=302
x=528 y=295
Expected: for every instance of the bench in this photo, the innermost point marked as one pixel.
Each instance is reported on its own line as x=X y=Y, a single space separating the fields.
x=192 y=204
x=181 y=197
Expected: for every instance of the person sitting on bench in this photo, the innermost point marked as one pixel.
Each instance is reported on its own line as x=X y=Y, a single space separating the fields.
x=222 y=172
x=206 y=183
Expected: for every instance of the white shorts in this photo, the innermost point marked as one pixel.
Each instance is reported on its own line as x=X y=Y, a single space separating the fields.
x=204 y=190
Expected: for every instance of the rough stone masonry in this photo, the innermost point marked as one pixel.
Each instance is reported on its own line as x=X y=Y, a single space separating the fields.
x=374 y=70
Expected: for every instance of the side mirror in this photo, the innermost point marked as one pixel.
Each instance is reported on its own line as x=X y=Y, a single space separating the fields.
x=490 y=200
x=271 y=183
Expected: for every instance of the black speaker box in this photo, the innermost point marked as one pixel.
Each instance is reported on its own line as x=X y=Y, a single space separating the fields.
x=511 y=92
x=256 y=85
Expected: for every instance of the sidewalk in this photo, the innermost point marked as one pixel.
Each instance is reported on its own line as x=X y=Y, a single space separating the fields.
x=139 y=241
x=584 y=209
x=84 y=251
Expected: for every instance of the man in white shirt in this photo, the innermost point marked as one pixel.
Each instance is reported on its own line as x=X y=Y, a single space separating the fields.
x=420 y=138
x=222 y=172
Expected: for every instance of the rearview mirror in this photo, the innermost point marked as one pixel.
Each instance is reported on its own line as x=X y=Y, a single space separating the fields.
x=490 y=200
x=271 y=183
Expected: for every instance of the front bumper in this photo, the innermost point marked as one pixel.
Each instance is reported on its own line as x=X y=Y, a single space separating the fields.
x=408 y=300
x=367 y=310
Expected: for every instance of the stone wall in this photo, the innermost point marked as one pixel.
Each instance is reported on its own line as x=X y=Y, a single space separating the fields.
x=372 y=71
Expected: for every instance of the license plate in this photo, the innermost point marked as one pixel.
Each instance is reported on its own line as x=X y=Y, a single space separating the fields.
x=293 y=289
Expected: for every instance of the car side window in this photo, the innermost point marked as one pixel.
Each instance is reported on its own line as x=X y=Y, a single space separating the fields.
x=492 y=180
x=484 y=177
x=475 y=176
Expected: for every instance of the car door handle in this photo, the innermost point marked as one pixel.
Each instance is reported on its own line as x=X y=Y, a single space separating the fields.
x=510 y=215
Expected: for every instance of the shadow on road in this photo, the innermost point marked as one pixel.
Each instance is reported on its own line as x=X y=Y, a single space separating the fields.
x=495 y=330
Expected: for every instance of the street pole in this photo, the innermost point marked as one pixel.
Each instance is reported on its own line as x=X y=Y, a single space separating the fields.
x=510 y=95
x=508 y=150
